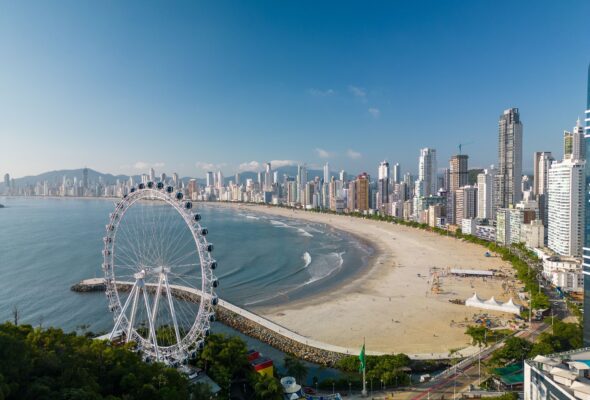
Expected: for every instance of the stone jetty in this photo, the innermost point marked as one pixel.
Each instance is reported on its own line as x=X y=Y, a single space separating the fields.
x=246 y=322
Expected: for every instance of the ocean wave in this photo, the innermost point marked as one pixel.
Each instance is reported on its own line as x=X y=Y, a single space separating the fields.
x=307 y=258
x=251 y=217
x=279 y=224
x=327 y=265
x=304 y=232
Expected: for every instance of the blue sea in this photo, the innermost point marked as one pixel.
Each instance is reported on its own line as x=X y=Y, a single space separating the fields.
x=49 y=244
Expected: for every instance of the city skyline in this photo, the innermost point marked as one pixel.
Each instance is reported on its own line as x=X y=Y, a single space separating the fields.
x=117 y=96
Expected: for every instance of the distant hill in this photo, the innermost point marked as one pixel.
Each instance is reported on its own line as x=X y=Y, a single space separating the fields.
x=55 y=177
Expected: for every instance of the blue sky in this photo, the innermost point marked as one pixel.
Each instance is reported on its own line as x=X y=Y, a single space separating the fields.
x=119 y=86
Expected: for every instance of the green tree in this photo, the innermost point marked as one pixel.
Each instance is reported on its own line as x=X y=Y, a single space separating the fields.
x=267 y=387
x=514 y=349
x=478 y=335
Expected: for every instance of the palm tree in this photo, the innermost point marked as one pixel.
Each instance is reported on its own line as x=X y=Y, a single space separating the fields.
x=268 y=388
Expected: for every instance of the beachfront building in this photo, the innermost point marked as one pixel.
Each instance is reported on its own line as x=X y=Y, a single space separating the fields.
x=485 y=232
x=427 y=166
x=458 y=176
x=485 y=190
x=509 y=222
x=566 y=207
x=435 y=212
x=533 y=234
x=564 y=272
x=465 y=203
x=507 y=189
x=541 y=164
x=383 y=187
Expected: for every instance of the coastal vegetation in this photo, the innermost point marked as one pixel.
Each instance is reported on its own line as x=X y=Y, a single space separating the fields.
x=40 y=363
x=390 y=369
x=563 y=336
x=47 y=363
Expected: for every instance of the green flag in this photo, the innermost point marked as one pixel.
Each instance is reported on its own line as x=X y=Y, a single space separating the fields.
x=362 y=359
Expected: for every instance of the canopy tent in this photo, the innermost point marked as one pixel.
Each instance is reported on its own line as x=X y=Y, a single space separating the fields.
x=493 y=304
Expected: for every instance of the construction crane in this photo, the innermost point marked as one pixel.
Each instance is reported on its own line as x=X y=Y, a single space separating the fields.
x=463 y=144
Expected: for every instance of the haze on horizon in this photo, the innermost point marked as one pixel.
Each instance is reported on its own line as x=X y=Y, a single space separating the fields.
x=190 y=87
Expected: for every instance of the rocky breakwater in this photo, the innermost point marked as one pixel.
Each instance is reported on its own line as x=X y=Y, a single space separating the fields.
x=238 y=322
x=276 y=340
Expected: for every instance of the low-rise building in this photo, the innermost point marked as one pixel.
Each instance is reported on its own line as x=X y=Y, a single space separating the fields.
x=533 y=234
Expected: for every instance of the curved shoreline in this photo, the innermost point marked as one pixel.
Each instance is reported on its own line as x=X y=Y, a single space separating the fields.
x=391 y=303
x=323 y=285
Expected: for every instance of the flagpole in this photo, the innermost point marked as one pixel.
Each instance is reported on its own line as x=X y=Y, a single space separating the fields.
x=364 y=392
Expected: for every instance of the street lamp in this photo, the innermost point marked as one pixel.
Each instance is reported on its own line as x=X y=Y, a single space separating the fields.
x=333 y=387
x=349 y=388
x=381 y=384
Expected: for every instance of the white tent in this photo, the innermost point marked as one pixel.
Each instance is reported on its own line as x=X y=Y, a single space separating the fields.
x=493 y=304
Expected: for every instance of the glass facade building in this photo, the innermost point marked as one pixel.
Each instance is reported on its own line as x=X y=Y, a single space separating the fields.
x=586 y=258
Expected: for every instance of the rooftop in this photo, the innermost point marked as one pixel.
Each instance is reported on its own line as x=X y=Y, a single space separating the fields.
x=570 y=371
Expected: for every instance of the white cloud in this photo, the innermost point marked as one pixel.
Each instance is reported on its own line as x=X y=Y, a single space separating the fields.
x=355 y=155
x=253 y=166
x=323 y=153
x=142 y=165
x=282 y=163
x=209 y=166
x=358 y=92
x=321 y=93
x=375 y=112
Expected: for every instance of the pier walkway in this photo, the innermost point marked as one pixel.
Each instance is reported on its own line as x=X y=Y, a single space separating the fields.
x=97 y=284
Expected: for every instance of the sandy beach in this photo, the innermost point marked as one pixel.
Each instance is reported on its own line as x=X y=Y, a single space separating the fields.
x=391 y=303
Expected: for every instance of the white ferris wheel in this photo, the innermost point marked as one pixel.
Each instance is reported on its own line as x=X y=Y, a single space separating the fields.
x=159 y=273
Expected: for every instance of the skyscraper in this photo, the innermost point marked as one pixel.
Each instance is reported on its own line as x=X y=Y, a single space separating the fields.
x=152 y=175
x=7 y=180
x=427 y=173
x=485 y=190
x=459 y=175
x=566 y=207
x=573 y=143
x=586 y=249
x=383 y=185
x=465 y=203
x=362 y=192
x=343 y=177
x=541 y=163
x=268 y=177
x=507 y=182
x=326 y=173
x=397 y=173
x=209 y=179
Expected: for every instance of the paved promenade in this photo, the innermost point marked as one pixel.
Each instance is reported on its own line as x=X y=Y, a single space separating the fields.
x=97 y=284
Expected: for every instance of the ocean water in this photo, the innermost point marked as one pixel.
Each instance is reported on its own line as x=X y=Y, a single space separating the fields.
x=47 y=245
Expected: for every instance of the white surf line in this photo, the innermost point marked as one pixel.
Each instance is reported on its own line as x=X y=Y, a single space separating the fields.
x=281 y=330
